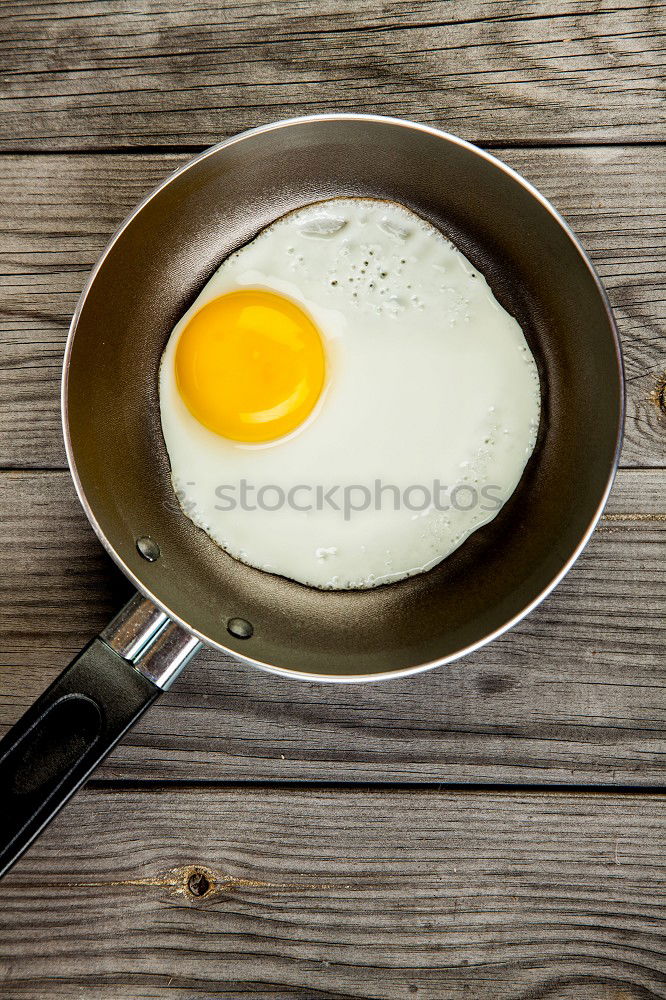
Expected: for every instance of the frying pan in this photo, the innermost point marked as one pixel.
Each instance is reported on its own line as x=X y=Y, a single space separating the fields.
x=190 y=591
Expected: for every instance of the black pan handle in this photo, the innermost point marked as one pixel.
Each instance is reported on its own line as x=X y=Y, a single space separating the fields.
x=62 y=738
x=51 y=751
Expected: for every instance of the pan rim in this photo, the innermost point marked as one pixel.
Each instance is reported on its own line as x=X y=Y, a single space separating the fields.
x=134 y=579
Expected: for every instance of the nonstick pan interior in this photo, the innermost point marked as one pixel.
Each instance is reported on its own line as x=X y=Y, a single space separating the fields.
x=153 y=270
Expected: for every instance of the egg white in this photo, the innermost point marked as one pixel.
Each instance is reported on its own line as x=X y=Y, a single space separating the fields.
x=428 y=378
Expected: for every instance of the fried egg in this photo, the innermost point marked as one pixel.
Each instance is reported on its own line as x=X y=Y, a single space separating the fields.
x=346 y=400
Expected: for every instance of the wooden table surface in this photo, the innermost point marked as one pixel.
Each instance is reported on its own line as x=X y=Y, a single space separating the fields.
x=493 y=830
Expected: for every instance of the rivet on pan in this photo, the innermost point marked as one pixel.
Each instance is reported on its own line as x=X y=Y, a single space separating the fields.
x=239 y=628
x=148 y=548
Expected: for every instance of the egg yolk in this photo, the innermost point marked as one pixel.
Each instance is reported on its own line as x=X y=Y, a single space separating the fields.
x=250 y=365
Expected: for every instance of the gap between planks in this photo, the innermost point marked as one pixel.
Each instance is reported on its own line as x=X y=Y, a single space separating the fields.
x=317 y=785
x=196 y=148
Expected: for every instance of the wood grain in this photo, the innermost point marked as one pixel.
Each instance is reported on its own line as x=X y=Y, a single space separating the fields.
x=57 y=213
x=574 y=694
x=329 y=893
x=114 y=73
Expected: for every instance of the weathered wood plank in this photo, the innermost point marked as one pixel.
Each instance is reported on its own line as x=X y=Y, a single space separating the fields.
x=342 y=893
x=575 y=694
x=118 y=73
x=57 y=212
